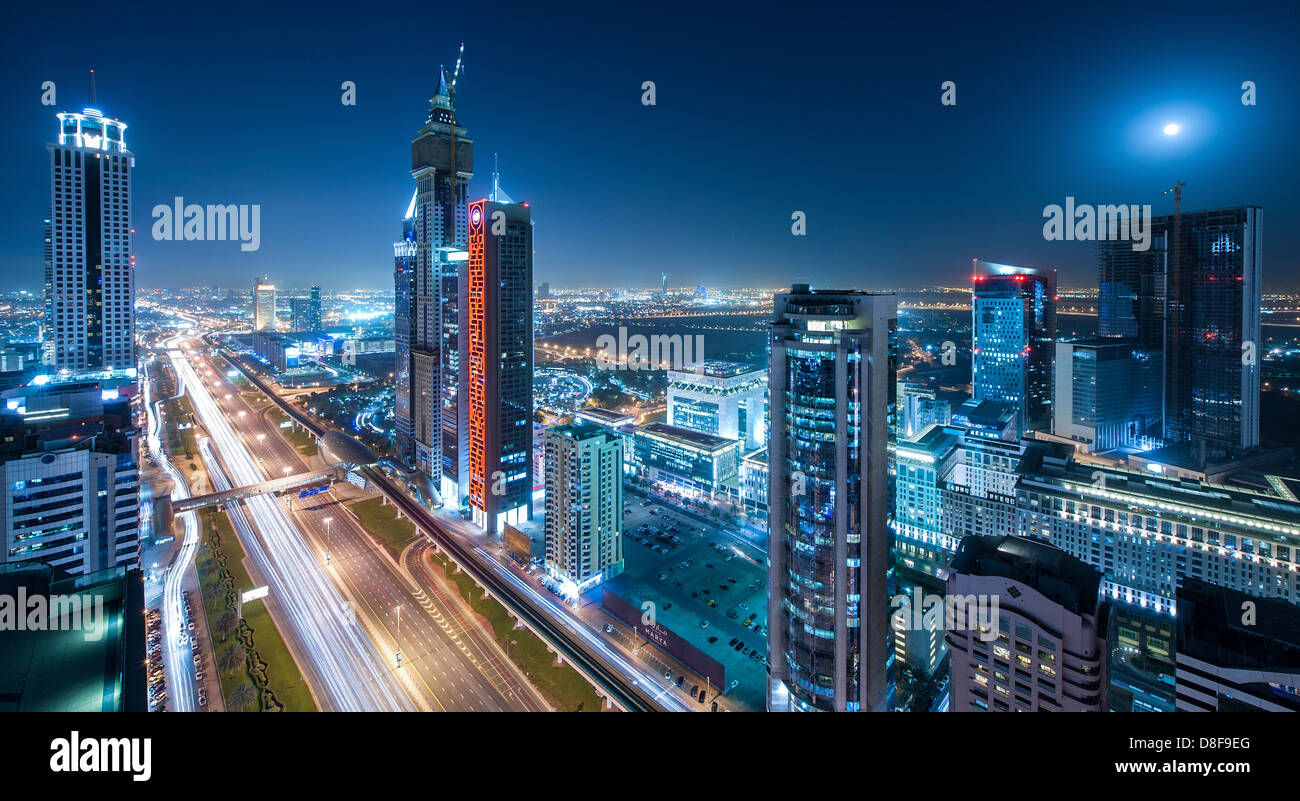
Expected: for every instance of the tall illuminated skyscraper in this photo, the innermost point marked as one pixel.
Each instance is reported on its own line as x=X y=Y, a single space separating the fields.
x=1013 y=346
x=404 y=251
x=89 y=267
x=442 y=162
x=263 y=305
x=832 y=381
x=498 y=336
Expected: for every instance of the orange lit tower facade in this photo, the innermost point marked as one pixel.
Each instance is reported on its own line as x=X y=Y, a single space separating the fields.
x=498 y=325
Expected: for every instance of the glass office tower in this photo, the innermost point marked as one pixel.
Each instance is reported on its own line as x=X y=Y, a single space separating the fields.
x=831 y=395
x=1014 y=338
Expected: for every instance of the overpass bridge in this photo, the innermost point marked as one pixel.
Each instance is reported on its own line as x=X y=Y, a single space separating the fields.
x=274 y=485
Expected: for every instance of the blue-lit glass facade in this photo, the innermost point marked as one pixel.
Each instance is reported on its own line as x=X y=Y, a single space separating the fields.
x=831 y=395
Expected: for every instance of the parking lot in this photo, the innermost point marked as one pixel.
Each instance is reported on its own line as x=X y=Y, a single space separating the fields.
x=708 y=587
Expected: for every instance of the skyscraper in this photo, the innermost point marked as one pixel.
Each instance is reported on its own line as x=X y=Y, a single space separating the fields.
x=1014 y=335
x=584 y=505
x=498 y=332
x=1030 y=634
x=314 y=309
x=263 y=305
x=1212 y=334
x=832 y=379
x=404 y=262
x=89 y=266
x=442 y=162
x=1196 y=295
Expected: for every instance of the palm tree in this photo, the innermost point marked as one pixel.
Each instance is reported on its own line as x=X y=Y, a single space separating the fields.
x=227 y=623
x=243 y=696
x=231 y=658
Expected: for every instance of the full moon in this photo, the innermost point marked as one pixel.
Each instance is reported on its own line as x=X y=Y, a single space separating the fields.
x=1171 y=129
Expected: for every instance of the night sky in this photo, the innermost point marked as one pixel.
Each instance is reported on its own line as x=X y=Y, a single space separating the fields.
x=759 y=113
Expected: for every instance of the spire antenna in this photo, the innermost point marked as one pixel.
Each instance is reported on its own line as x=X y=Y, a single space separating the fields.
x=92 y=87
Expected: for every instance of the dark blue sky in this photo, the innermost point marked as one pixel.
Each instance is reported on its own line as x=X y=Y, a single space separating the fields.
x=760 y=113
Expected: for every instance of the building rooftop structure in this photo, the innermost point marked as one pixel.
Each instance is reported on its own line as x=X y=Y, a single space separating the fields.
x=1050 y=571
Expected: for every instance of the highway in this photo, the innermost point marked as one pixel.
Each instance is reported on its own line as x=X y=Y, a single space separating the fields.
x=631 y=687
x=346 y=670
x=448 y=669
x=178 y=661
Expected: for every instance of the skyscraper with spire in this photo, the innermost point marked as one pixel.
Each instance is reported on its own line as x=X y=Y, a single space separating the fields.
x=442 y=162
x=89 y=267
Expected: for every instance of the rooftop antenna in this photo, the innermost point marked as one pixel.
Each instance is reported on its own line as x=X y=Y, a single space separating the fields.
x=496 y=178
x=92 y=87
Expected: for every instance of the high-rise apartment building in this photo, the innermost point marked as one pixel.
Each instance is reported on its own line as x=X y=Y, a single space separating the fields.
x=584 y=506
x=1048 y=651
x=832 y=379
x=498 y=334
x=1014 y=340
x=89 y=266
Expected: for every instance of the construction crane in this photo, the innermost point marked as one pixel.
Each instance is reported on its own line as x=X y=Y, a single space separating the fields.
x=456 y=72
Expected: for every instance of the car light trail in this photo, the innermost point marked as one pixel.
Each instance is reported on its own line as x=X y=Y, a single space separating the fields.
x=178 y=663
x=351 y=673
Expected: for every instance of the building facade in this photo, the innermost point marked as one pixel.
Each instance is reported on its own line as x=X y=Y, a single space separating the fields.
x=263 y=305
x=1048 y=651
x=725 y=399
x=442 y=162
x=1236 y=652
x=89 y=266
x=498 y=334
x=1014 y=340
x=685 y=459
x=832 y=379
x=1212 y=327
x=69 y=473
x=1108 y=394
x=584 y=506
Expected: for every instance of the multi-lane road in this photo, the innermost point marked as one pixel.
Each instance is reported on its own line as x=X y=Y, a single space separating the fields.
x=441 y=667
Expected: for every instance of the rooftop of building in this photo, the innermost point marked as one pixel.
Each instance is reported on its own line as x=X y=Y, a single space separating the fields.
x=687 y=436
x=65 y=670
x=1212 y=627
x=606 y=416
x=757 y=457
x=1053 y=573
x=580 y=431
x=719 y=369
x=1173 y=490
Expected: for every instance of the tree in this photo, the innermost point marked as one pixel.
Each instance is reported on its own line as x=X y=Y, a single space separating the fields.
x=231 y=658
x=243 y=696
x=225 y=624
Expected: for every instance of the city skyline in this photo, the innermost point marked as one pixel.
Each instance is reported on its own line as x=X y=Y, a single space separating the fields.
x=1042 y=479
x=931 y=184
